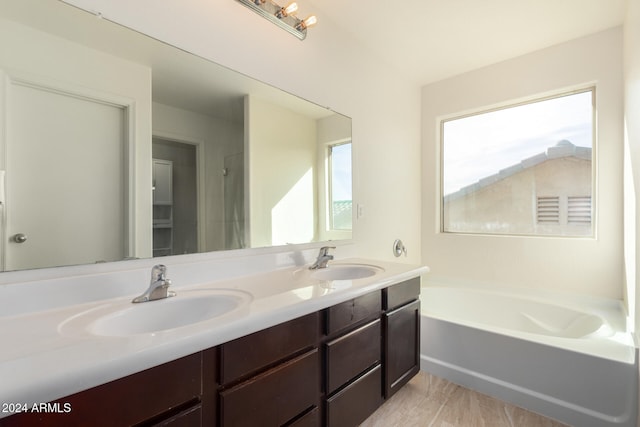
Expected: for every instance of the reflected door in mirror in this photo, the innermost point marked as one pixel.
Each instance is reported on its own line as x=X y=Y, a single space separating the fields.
x=65 y=181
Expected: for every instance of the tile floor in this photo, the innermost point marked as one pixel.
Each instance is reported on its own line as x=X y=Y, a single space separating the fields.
x=428 y=401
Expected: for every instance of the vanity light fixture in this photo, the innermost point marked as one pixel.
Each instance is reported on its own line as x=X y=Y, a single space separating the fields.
x=284 y=17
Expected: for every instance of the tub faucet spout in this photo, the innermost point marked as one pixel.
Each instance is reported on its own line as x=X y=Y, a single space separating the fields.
x=323 y=258
x=159 y=286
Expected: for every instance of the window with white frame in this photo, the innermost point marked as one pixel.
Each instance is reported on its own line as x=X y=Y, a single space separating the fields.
x=523 y=169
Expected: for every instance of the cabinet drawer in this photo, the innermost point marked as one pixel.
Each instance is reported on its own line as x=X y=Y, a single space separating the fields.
x=402 y=293
x=275 y=396
x=351 y=312
x=250 y=354
x=191 y=417
x=310 y=419
x=356 y=402
x=352 y=354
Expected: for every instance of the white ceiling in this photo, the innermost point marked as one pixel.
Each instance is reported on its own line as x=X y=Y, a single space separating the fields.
x=429 y=40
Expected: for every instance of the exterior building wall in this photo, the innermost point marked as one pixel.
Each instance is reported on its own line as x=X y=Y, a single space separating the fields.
x=509 y=205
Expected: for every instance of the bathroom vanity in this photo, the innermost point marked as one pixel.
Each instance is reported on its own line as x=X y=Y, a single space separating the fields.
x=324 y=365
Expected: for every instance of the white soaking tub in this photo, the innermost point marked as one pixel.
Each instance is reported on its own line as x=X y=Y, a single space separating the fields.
x=566 y=357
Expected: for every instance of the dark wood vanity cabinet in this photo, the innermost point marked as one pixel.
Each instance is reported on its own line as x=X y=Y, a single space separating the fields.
x=401 y=321
x=171 y=394
x=334 y=367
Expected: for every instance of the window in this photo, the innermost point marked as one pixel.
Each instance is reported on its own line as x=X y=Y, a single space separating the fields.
x=524 y=169
x=339 y=186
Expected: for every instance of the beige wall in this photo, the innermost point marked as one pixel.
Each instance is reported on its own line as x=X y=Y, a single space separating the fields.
x=282 y=148
x=592 y=266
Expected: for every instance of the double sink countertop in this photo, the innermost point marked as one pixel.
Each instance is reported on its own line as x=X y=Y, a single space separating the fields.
x=53 y=353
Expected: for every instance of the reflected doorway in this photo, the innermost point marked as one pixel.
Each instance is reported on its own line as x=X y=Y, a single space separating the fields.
x=175 y=197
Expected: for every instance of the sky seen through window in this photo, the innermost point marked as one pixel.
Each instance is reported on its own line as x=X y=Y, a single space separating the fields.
x=481 y=145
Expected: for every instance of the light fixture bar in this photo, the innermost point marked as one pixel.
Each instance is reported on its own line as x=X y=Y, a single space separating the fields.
x=281 y=16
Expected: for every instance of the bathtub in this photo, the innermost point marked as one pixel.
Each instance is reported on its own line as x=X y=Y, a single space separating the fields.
x=570 y=359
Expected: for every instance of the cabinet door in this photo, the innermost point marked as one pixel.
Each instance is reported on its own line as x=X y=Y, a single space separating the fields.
x=162 y=182
x=402 y=346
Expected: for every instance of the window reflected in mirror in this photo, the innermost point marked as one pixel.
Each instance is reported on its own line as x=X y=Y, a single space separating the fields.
x=340 y=195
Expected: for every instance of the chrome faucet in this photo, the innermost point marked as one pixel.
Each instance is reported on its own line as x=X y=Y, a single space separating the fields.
x=159 y=287
x=323 y=258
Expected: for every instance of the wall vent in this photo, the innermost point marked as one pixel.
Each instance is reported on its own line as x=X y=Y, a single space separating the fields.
x=548 y=210
x=579 y=209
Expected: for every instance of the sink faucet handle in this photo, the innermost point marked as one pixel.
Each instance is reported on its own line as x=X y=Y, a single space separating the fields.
x=324 y=251
x=158 y=273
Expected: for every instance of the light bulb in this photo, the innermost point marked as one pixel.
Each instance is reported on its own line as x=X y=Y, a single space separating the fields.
x=291 y=8
x=288 y=10
x=310 y=21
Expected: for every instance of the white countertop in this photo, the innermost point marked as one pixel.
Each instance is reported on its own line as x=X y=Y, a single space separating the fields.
x=41 y=361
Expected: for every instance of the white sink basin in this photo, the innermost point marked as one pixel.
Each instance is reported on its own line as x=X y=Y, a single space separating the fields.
x=346 y=272
x=186 y=308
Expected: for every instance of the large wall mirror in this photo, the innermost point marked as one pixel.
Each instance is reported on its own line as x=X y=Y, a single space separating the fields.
x=116 y=146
